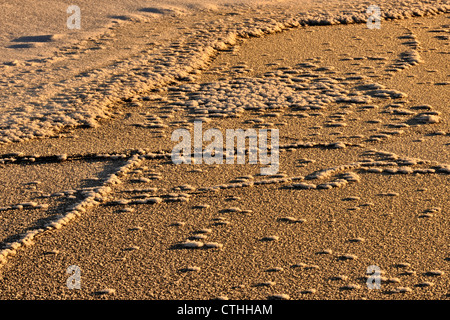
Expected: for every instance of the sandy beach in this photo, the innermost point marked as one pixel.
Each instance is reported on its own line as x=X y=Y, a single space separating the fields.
x=361 y=180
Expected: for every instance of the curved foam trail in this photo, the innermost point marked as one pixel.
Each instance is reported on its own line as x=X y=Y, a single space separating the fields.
x=92 y=198
x=382 y=161
x=35 y=26
x=34 y=106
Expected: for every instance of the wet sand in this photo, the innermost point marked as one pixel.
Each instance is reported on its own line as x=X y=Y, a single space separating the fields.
x=363 y=175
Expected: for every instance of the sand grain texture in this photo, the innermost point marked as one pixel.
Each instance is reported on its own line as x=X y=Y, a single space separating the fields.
x=363 y=116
